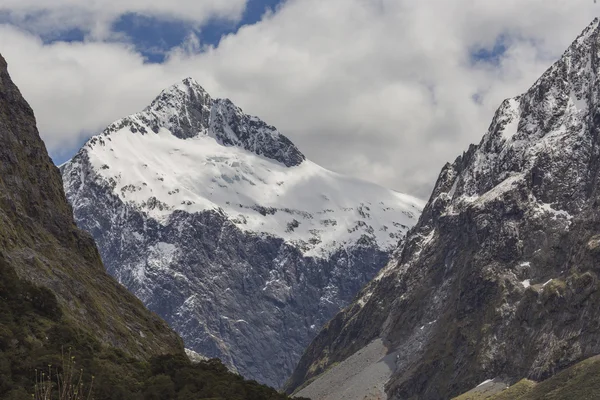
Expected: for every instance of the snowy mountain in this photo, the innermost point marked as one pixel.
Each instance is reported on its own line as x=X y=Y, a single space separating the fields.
x=218 y=223
x=499 y=278
x=60 y=312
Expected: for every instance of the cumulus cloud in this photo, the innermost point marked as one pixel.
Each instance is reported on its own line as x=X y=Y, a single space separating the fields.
x=95 y=17
x=387 y=90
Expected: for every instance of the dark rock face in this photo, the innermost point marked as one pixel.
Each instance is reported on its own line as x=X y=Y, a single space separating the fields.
x=500 y=276
x=39 y=240
x=253 y=135
x=188 y=111
x=250 y=299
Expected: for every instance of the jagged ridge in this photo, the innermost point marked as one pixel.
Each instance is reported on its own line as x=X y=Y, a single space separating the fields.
x=188 y=111
x=244 y=255
x=499 y=277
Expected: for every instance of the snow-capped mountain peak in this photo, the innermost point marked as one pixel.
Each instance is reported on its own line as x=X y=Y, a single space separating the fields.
x=187 y=111
x=183 y=108
x=189 y=152
x=218 y=223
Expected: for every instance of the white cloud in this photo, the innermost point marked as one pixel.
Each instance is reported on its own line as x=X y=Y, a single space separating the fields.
x=378 y=89
x=96 y=16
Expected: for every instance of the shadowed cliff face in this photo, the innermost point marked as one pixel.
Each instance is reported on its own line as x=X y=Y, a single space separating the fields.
x=500 y=276
x=40 y=241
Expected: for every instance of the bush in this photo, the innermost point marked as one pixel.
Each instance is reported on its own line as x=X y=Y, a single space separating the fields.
x=34 y=334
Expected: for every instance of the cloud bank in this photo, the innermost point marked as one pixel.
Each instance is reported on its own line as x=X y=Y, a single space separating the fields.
x=386 y=90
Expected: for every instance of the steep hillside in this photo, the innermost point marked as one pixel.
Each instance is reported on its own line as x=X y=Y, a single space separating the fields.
x=58 y=302
x=499 y=278
x=218 y=223
x=581 y=382
x=40 y=241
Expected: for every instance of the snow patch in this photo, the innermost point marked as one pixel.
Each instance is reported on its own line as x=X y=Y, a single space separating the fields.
x=555 y=213
x=485 y=382
x=453 y=188
x=310 y=207
x=497 y=191
x=579 y=104
x=511 y=126
x=427 y=239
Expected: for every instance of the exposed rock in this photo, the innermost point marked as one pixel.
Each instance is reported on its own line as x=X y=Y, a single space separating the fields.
x=218 y=223
x=499 y=278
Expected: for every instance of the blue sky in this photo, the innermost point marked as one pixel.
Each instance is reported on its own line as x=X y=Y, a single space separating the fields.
x=492 y=54
x=154 y=36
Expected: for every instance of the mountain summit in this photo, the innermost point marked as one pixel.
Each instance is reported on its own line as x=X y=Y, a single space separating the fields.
x=499 y=278
x=218 y=223
x=187 y=111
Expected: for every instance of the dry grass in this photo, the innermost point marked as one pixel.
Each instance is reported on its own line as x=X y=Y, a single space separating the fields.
x=66 y=383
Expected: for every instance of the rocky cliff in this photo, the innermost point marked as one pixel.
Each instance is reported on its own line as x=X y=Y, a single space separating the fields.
x=218 y=223
x=499 y=278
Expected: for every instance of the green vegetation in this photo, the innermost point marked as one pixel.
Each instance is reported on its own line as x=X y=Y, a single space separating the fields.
x=517 y=390
x=35 y=336
x=514 y=392
x=69 y=382
x=581 y=382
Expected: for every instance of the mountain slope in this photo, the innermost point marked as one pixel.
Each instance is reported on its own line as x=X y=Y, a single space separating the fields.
x=219 y=224
x=60 y=310
x=580 y=381
x=499 y=277
x=39 y=239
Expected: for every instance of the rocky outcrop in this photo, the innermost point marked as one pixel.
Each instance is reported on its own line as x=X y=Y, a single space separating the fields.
x=218 y=223
x=188 y=111
x=499 y=278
